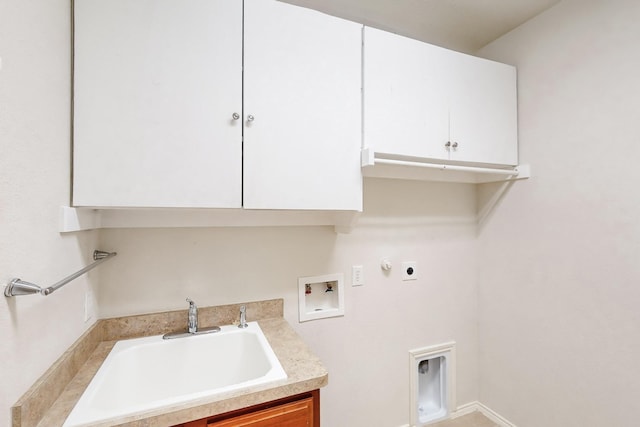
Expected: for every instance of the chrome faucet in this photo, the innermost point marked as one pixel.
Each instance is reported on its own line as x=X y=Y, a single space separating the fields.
x=243 y=317
x=192 y=325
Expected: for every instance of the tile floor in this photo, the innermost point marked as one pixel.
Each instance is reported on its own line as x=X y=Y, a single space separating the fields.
x=474 y=419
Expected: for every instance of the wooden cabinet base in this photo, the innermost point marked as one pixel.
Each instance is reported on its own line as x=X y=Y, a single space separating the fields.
x=302 y=410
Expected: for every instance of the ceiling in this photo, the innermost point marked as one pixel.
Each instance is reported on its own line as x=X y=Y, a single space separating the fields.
x=463 y=25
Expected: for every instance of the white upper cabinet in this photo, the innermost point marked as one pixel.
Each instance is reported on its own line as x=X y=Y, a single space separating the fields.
x=161 y=106
x=428 y=102
x=483 y=111
x=302 y=86
x=405 y=103
x=156 y=83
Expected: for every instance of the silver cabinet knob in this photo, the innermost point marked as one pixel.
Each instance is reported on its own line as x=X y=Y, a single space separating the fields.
x=454 y=145
x=250 y=118
x=448 y=144
x=235 y=116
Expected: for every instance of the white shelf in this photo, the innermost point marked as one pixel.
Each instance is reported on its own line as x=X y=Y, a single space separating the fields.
x=78 y=219
x=382 y=165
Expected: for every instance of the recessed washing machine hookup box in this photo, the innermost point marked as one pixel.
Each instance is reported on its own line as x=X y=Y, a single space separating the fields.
x=320 y=296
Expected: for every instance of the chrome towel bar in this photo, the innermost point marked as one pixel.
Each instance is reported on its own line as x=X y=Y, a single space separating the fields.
x=19 y=287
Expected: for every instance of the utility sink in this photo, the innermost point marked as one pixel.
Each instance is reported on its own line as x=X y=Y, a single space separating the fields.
x=142 y=375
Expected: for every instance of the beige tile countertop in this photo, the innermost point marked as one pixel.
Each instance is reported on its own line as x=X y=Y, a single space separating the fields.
x=50 y=400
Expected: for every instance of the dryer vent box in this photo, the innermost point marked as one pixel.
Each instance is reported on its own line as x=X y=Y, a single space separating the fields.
x=432 y=383
x=320 y=296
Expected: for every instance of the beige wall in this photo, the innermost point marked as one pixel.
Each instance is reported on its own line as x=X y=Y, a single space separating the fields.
x=559 y=280
x=34 y=183
x=556 y=263
x=366 y=351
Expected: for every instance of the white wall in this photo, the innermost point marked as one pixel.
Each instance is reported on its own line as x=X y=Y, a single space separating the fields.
x=34 y=183
x=558 y=259
x=559 y=282
x=366 y=351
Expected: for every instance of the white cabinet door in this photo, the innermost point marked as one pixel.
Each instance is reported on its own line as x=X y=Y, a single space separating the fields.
x=483 y=111
x=156 y=83
x=406 y=106
x=302 y=82
x=425 y=101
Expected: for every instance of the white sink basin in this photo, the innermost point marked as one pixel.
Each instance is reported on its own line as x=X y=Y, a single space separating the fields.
x=144 y=374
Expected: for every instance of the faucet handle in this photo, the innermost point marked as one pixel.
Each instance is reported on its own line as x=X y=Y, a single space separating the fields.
x=190 y=301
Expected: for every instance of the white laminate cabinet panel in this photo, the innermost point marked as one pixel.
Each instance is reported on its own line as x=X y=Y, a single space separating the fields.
x=484 y=111
x=406 y=105
x=419 y=97
x=155 y=85
x=302 y=80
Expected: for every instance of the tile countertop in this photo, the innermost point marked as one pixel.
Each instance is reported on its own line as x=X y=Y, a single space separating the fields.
x=67 y=379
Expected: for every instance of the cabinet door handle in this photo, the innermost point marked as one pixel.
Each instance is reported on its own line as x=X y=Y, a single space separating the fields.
x=250 y=118
x=454 y=145
x=235 y=116
x=448 y=144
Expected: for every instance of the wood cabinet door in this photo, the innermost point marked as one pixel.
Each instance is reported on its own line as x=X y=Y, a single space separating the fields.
x=301 y=410
x=295 y=414
x=156 y=85
x=302 y=80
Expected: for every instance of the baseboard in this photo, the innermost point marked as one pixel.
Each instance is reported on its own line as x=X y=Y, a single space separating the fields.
x=486 y=411
x=465 y=409
x=471 y=407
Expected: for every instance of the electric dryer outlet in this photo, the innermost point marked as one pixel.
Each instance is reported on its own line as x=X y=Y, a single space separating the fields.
x=409 y=271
